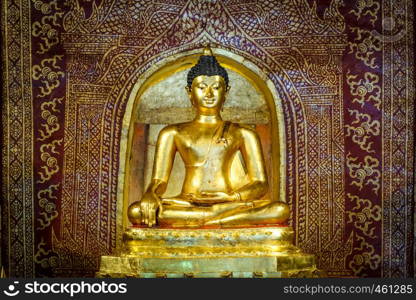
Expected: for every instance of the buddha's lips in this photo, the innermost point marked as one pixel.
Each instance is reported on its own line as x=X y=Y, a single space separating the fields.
x=209 y=101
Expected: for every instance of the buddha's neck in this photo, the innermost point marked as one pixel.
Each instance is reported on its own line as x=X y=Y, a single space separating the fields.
x=208 y=119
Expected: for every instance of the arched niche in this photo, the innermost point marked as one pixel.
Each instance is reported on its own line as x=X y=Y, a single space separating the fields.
x=147 y=112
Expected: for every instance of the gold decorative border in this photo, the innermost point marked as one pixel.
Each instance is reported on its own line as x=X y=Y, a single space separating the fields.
x=17 y=158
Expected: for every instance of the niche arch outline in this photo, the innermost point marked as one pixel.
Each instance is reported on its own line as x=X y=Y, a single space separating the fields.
x=185 y=60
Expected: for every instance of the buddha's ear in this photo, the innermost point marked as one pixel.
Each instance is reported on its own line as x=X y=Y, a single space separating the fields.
x=227 y=89
x=188 y=91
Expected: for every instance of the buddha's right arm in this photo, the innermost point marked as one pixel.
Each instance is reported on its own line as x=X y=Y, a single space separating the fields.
x=163 y=160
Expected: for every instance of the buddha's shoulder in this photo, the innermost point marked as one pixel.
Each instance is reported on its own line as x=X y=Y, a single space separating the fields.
x=243 y=129
x=175 y=128
x=169 y=130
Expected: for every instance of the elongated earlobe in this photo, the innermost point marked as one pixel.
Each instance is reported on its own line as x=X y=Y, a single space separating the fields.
x=189 y=93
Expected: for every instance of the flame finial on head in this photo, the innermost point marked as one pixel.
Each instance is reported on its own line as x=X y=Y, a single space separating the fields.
x=207 y=51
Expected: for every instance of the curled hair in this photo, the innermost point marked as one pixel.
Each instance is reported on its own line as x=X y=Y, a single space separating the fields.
x=207 y=65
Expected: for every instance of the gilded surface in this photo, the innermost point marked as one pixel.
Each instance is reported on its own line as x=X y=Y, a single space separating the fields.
x=209 y=252
x=207 y=242
x=347 y=91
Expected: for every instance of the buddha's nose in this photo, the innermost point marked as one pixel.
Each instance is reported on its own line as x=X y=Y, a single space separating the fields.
x=209 y=93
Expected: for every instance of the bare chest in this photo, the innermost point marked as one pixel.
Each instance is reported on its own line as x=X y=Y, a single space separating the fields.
x=197 y=146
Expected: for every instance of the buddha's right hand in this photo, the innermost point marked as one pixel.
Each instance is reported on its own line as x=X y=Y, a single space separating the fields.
x=148 y=207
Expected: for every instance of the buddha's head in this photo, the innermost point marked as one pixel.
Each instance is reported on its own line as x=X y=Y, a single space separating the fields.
x=207 y=84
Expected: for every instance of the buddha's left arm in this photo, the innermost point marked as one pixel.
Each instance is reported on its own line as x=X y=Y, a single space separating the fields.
x=253 y=157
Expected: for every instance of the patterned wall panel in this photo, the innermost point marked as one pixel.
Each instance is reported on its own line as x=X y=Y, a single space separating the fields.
x=344 y=72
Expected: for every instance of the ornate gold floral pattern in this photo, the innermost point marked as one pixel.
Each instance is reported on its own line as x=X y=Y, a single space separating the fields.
x=366 y=257
x=365 y=46
x=48 y=155
x=366 y=89
x=48 y=207
x=363 y=215
x=47 y=32
x=46 y=7
x=45 y=258
x=49 y=74
x=362 y=129
x=366 y=8
x=48 y=108
x=364 y=173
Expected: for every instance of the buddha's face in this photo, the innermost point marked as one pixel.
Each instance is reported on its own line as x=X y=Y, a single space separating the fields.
x=208 y=93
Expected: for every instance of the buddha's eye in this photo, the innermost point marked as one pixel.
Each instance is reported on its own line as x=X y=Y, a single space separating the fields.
x=215 y=87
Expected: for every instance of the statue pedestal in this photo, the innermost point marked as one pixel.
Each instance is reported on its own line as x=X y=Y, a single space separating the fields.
x=209 y=252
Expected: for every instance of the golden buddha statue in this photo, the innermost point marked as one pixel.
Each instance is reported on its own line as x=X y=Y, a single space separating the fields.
x=207 y=146
x=209 y=229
